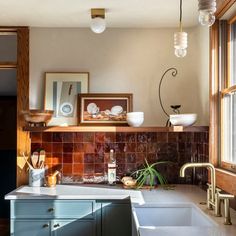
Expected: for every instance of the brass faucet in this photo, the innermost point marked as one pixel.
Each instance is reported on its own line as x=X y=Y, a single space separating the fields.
x=211 y=191
x=214 y=197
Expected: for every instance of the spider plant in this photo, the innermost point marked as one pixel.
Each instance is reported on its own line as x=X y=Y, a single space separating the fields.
x=149 y=173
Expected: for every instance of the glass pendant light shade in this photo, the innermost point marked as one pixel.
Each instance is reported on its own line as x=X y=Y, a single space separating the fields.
x=98 y=25
x=180 y=44
x=206 y=9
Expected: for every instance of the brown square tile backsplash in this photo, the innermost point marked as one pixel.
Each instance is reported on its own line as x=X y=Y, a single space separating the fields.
x=84 y=156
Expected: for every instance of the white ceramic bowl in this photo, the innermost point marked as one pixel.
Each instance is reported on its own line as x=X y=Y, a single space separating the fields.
x=134 y=121
x=135 y=114
x=183 y=119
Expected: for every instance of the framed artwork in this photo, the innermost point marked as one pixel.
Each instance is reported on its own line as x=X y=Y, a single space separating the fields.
x=61 y=91
x=104 y=108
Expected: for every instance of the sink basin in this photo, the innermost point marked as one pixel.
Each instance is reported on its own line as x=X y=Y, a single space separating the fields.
x=169 y=215
x=183 y=119
x=169 y=219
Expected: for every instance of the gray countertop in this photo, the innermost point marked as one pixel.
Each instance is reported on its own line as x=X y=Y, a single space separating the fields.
x=181 y=194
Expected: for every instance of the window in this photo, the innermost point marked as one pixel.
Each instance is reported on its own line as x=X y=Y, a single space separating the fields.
x=227 y=76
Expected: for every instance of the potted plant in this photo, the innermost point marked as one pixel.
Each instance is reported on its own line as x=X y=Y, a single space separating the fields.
x=148 y=175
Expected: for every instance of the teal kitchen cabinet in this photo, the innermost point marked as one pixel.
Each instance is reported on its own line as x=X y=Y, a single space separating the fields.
x=53 y=218
x=116 y=218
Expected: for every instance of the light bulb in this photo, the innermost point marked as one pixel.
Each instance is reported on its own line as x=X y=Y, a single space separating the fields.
x=180 y=52
x=206 y=18
x=180 y=43
x=98 y=25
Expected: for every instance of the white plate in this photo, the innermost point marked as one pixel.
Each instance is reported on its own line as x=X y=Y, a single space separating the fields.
x=92 y=108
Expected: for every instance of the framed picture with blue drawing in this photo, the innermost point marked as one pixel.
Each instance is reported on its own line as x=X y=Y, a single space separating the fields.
x=61 y=90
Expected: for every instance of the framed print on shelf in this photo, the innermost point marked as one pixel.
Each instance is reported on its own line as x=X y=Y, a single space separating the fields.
x=104 y=108
x=61 y=91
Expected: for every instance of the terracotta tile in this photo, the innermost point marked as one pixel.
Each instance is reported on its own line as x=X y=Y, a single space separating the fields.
x=78 y=169
x=172 y=137
x=35 y=146
x=36 y=137
x=152 y=137
x=162 y=137
x=99 y=137
x=57 y=147
x=130 y=147
x=68 y=137
x=48 y=160
x=110 y=137
x=130 y=168
x=47 y=137
x=131 y=137
x=99 y=168
x=140 y=157
x=57 y=137
x=78 y=147
x=141 y=147
x=151 y=158
x=99 y=158
x=53 y=167
x=120 y=158
x=142 y=137
x=120 y=147
x=67 y=158
x=120 y=137
x=99 y=148
x=88 y=168
x=67 y=147
x=78 y=157
x=57 y=158
x=67 y=169
x=106 y=157
x=47 y=147
x=121 y=169
x=130 y=157
x=108 y=147
x=88 y=137
x=89 y=148
x=89 y=158
x=162 y=147
x=152 y=147
x=78 y=137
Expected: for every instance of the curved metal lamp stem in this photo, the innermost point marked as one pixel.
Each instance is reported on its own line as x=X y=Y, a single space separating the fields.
x=174 y=73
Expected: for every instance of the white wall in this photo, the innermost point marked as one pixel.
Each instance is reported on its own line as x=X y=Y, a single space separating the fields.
x=126 y=60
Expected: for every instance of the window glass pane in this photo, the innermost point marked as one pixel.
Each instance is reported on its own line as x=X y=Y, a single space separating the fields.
x=8 y=48
x=233 y=54
x=229 y=128
x=8 y=84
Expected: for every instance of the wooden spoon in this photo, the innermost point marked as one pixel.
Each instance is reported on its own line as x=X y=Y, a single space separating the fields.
x=35 y=159
x=41 y=159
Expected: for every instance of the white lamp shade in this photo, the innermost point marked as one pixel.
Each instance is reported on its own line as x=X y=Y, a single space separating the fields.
x=180 y=44
x=206 y=9
x=98 y=25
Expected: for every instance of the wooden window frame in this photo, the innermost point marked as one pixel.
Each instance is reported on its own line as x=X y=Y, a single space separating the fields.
x=225 y=179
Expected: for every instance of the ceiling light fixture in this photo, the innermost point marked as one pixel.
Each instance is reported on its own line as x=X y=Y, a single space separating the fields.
x=206 y=9
x=98 y=23
x=180 y=38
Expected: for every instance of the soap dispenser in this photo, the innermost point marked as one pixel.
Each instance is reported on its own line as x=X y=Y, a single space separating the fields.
x=112 y=168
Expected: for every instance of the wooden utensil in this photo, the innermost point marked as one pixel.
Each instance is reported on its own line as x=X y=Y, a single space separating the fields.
x=35 y=159
x=29 y=165
x=41 y=159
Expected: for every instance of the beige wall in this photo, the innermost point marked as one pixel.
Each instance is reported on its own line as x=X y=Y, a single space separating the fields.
x=126 y=60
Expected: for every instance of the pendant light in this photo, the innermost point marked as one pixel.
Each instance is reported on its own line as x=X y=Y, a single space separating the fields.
x=206 y=9
x=180 y=38
x=98 y=23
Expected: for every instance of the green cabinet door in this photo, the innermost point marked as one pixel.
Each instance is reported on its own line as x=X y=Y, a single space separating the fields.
x=73 y=227
x=116 y=219
x=30 y=228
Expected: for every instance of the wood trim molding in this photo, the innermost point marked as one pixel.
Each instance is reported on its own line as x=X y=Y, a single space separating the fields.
x=224 y=7
x=23 y=139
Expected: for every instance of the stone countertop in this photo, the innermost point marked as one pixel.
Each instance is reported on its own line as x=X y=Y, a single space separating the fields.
x=181 y=194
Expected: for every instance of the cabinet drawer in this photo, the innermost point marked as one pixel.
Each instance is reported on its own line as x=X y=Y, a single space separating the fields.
x=52 y=209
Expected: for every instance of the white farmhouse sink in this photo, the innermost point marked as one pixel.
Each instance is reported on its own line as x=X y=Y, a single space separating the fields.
x=173 y=219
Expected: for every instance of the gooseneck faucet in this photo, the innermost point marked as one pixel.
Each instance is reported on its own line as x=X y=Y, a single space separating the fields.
x=211 y=191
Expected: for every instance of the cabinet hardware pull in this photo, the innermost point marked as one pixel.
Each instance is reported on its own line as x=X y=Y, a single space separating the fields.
x=56 y=225
x=45 y=225
x=50 y=209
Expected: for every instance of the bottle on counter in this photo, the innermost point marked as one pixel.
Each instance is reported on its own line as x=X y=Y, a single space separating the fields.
x=111 y=173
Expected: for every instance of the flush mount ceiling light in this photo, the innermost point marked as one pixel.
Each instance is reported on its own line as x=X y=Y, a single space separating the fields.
x=98 y=23
x=206 y=9
x=180 y=38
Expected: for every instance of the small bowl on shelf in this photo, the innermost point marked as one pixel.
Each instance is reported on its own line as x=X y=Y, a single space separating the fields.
x=37 y=117
x=183 y=119
x=135 y=119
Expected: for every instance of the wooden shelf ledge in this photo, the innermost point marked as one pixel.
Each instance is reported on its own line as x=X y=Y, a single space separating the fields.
x=116 y=129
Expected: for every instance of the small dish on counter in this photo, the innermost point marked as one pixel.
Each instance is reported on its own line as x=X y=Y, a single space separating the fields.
x=135 y=119
x=183 y=119
x=37 y=117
